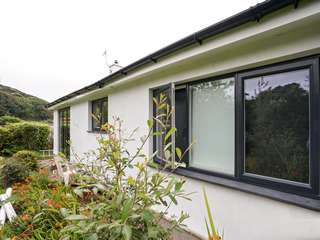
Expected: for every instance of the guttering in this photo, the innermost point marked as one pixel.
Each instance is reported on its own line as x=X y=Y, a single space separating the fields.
x=251 y=14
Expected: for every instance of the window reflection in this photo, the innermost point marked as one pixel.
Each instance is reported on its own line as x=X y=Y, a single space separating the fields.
x=277 y=125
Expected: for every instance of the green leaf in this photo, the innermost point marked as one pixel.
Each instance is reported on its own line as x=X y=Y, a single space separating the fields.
x=213 y=229
x=178 y=186
x=127 y=206
x=208 y=230
x=156 y=133
x=126 y=232
x=155 y=101
x=76 y=217
x=147 y=216
x=167 y=146
x=178 y=152
x=169 y=133
x=173 y=199
x=150 y=123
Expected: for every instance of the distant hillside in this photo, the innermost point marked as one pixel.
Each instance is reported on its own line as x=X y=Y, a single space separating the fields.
x=16 y=103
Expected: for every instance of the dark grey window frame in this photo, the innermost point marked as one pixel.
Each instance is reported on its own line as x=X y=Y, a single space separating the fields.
x=99 y=102
x=308 y=190
x=295 y=193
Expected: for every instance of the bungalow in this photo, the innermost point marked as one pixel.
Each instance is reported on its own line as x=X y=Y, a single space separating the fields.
x=247 y=90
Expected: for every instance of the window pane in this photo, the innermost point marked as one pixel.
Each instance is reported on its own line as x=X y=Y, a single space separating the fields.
x=104 y=111
x=64 y=130
x=212 y=126
x=161 y=114
x=181 y=115
x=96 y=112
x=277 y=125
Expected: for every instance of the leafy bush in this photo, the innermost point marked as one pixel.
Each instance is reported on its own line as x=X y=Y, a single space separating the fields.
x=29 y=158
x=120 y=205
x=116 y=197
x=12 y=171
x=9 y=119
x=30 y=135
x=23 y=136
x=4 y=138
x=41 y=205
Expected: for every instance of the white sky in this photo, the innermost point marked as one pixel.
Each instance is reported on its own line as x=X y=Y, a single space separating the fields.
x=51 y=48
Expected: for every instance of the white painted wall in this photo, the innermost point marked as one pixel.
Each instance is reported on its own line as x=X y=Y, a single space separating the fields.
x=241 y=215
x=55 y=132
x=81 y=139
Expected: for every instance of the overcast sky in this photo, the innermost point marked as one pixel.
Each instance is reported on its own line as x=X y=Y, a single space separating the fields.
x=51 y=48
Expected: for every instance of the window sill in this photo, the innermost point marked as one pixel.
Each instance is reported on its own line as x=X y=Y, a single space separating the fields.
x=305 y=202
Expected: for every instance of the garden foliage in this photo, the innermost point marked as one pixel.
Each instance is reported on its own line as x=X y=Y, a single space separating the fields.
x=12 y=171
x=18 y=167
x=115 y=194
x=42 y=205
x=23 y=136
x=28 y=158
x=129 y=191
x=4 y=120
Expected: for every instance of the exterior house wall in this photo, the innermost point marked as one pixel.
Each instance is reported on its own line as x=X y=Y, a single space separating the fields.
x=241 y=215
x=81 y=139
x=55 y=132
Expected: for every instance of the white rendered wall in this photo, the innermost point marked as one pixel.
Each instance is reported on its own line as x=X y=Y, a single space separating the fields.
x=81 y=139
x=55 y=132
x=241 y=215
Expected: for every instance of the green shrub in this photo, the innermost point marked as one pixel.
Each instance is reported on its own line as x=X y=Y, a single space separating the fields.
x=4 y=137
x=41 y=205
x=12 y=171
x=120 y=206
x=23 y=136
x=30 y=135
x=9 y=119
x=29 y=158
x=109 y=203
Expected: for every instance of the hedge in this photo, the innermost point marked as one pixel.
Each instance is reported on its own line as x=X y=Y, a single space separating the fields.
x=23 y=136
x=4 y=120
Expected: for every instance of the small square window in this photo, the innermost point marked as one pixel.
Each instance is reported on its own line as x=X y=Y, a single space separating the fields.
x=99 y=113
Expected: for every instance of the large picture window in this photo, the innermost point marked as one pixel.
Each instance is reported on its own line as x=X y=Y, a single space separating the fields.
x=99 y=113
x=277 y=137
x=254 y=130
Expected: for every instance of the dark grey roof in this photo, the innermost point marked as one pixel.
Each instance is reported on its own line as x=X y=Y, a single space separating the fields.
x=251 y=14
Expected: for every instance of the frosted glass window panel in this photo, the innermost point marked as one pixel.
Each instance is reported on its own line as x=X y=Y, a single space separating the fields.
x=212 y=126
